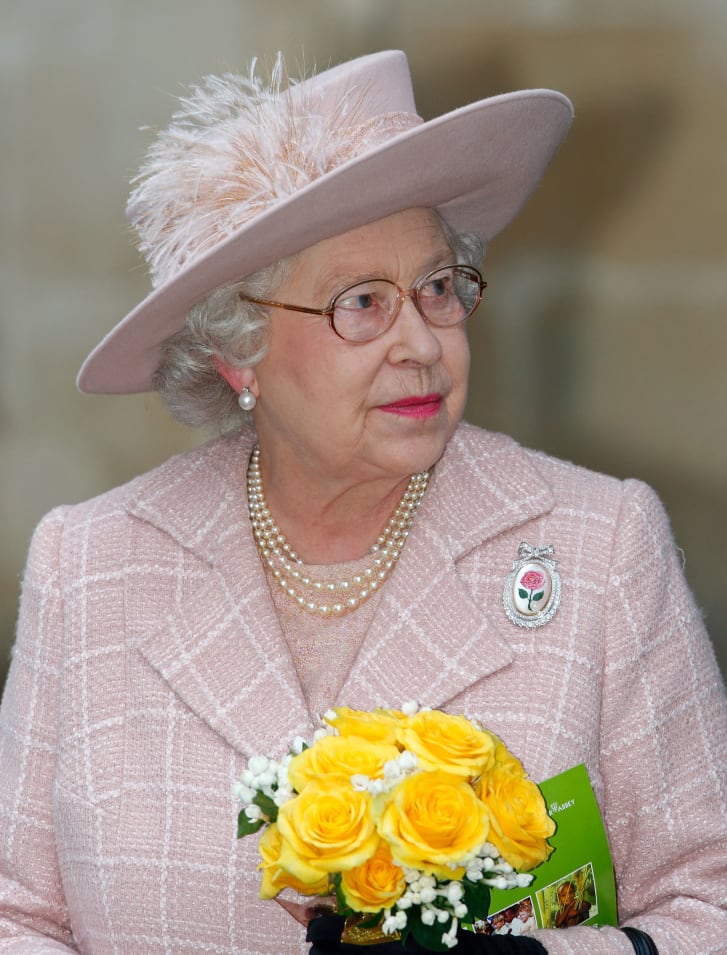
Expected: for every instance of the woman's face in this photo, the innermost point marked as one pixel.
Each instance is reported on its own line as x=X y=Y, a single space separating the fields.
x=356 y=412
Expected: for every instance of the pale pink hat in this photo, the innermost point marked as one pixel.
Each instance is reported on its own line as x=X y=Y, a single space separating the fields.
x=247 y=175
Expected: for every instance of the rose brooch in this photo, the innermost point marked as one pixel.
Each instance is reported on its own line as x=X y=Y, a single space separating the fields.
x=532 y=589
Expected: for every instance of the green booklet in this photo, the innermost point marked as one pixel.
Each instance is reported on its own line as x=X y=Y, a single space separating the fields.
x=575 y=886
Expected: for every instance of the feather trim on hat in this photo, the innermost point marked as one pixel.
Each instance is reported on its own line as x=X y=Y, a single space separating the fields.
x=234 y=148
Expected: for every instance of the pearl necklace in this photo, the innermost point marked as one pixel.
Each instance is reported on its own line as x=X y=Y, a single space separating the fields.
x=342 y=595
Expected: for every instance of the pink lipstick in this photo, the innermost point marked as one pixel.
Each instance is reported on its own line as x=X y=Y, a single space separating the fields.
x=416 y=406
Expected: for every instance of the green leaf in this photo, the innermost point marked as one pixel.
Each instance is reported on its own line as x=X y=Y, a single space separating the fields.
x=539 y=596
x=476 y=898
x=267 y=806
x=246 y=827
x=341 y=904
x=522 y=593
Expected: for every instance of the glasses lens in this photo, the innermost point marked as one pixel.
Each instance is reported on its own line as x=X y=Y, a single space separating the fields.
x=363 y=312
x=449 y=295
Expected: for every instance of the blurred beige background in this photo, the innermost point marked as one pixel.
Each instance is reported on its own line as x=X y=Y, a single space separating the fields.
x=603 y=336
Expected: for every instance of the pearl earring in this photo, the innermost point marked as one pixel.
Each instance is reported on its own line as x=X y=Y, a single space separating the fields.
x=246 y=399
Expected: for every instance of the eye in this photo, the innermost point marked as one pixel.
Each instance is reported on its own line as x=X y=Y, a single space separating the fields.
x=437 y=296
x=363 y=311
x=437 y=287
x=359 y=301
x=366 y=297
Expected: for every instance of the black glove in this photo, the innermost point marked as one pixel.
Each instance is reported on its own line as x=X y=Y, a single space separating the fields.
x=325 y=934
x=643 y=943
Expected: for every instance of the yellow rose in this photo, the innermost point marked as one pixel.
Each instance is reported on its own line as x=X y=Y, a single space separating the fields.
x=504 y=759
x=449 y=743
x=339 y=755
x=375 y=885
x=432 y=820
x=275 y=878
x=519 y=821
x=327 y=828
x=378 y=726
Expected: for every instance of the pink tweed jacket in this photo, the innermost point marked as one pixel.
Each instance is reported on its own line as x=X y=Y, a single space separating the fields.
x=149 y=664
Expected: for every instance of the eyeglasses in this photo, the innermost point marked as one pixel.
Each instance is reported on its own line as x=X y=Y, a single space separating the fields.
x=364 y=311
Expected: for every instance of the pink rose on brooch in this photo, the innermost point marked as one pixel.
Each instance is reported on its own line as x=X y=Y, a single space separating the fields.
x=531 y=587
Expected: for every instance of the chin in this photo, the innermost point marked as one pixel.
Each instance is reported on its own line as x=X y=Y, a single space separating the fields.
x=419 y=453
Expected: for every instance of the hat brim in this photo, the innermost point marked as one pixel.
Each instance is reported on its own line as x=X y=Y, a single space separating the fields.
x=477 y=165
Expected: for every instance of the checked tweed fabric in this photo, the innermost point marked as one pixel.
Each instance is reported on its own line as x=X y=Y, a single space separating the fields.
x=149 y=664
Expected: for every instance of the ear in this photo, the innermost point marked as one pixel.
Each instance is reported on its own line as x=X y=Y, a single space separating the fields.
x=237 y=378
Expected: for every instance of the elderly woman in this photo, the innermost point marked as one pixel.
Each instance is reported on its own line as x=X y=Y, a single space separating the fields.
x=315 y=252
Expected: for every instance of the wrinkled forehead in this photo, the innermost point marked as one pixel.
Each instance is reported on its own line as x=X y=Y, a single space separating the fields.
x=400 y=247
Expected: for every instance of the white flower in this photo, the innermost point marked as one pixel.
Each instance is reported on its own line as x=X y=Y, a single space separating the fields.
x=360 y=782
x=243 y=793
x=488 y=851
x=410 y=708
x=265 y=780
x=428 y=916
x=450 y=938
x=257 y=765
x=454 y=892
x=523 y=879
x=408 y=760
x=428 y=894
x=394 y=922
x=253 y=813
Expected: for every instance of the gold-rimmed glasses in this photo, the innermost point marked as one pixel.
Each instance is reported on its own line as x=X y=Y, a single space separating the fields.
x=365 y=310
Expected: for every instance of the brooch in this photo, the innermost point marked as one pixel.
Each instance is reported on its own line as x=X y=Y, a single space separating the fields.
x=532 y=590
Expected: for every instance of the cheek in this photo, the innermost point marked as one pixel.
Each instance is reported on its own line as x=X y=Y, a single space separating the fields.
x=456 y=358
x=292 y=363
x=313 y=376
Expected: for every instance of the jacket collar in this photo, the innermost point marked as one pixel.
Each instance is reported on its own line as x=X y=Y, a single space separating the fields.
x=428 y=640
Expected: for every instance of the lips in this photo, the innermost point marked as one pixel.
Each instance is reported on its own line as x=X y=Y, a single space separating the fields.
x=415 y=406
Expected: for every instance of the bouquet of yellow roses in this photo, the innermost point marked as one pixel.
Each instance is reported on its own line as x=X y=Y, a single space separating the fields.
x=407 y=817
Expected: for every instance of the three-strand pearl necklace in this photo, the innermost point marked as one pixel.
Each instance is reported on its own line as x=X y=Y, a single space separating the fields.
x=339 y=596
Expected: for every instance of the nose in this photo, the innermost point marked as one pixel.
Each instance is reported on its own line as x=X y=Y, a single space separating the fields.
x=414 y=340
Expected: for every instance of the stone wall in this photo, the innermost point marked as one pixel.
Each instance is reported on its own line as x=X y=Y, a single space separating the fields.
x=603 y=337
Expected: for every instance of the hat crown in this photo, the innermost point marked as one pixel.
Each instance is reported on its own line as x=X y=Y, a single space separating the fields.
x=383 y=79
x=236 y=147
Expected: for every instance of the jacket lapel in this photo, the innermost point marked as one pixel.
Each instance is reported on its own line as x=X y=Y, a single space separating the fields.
x=220 y=647
x=429 y=640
